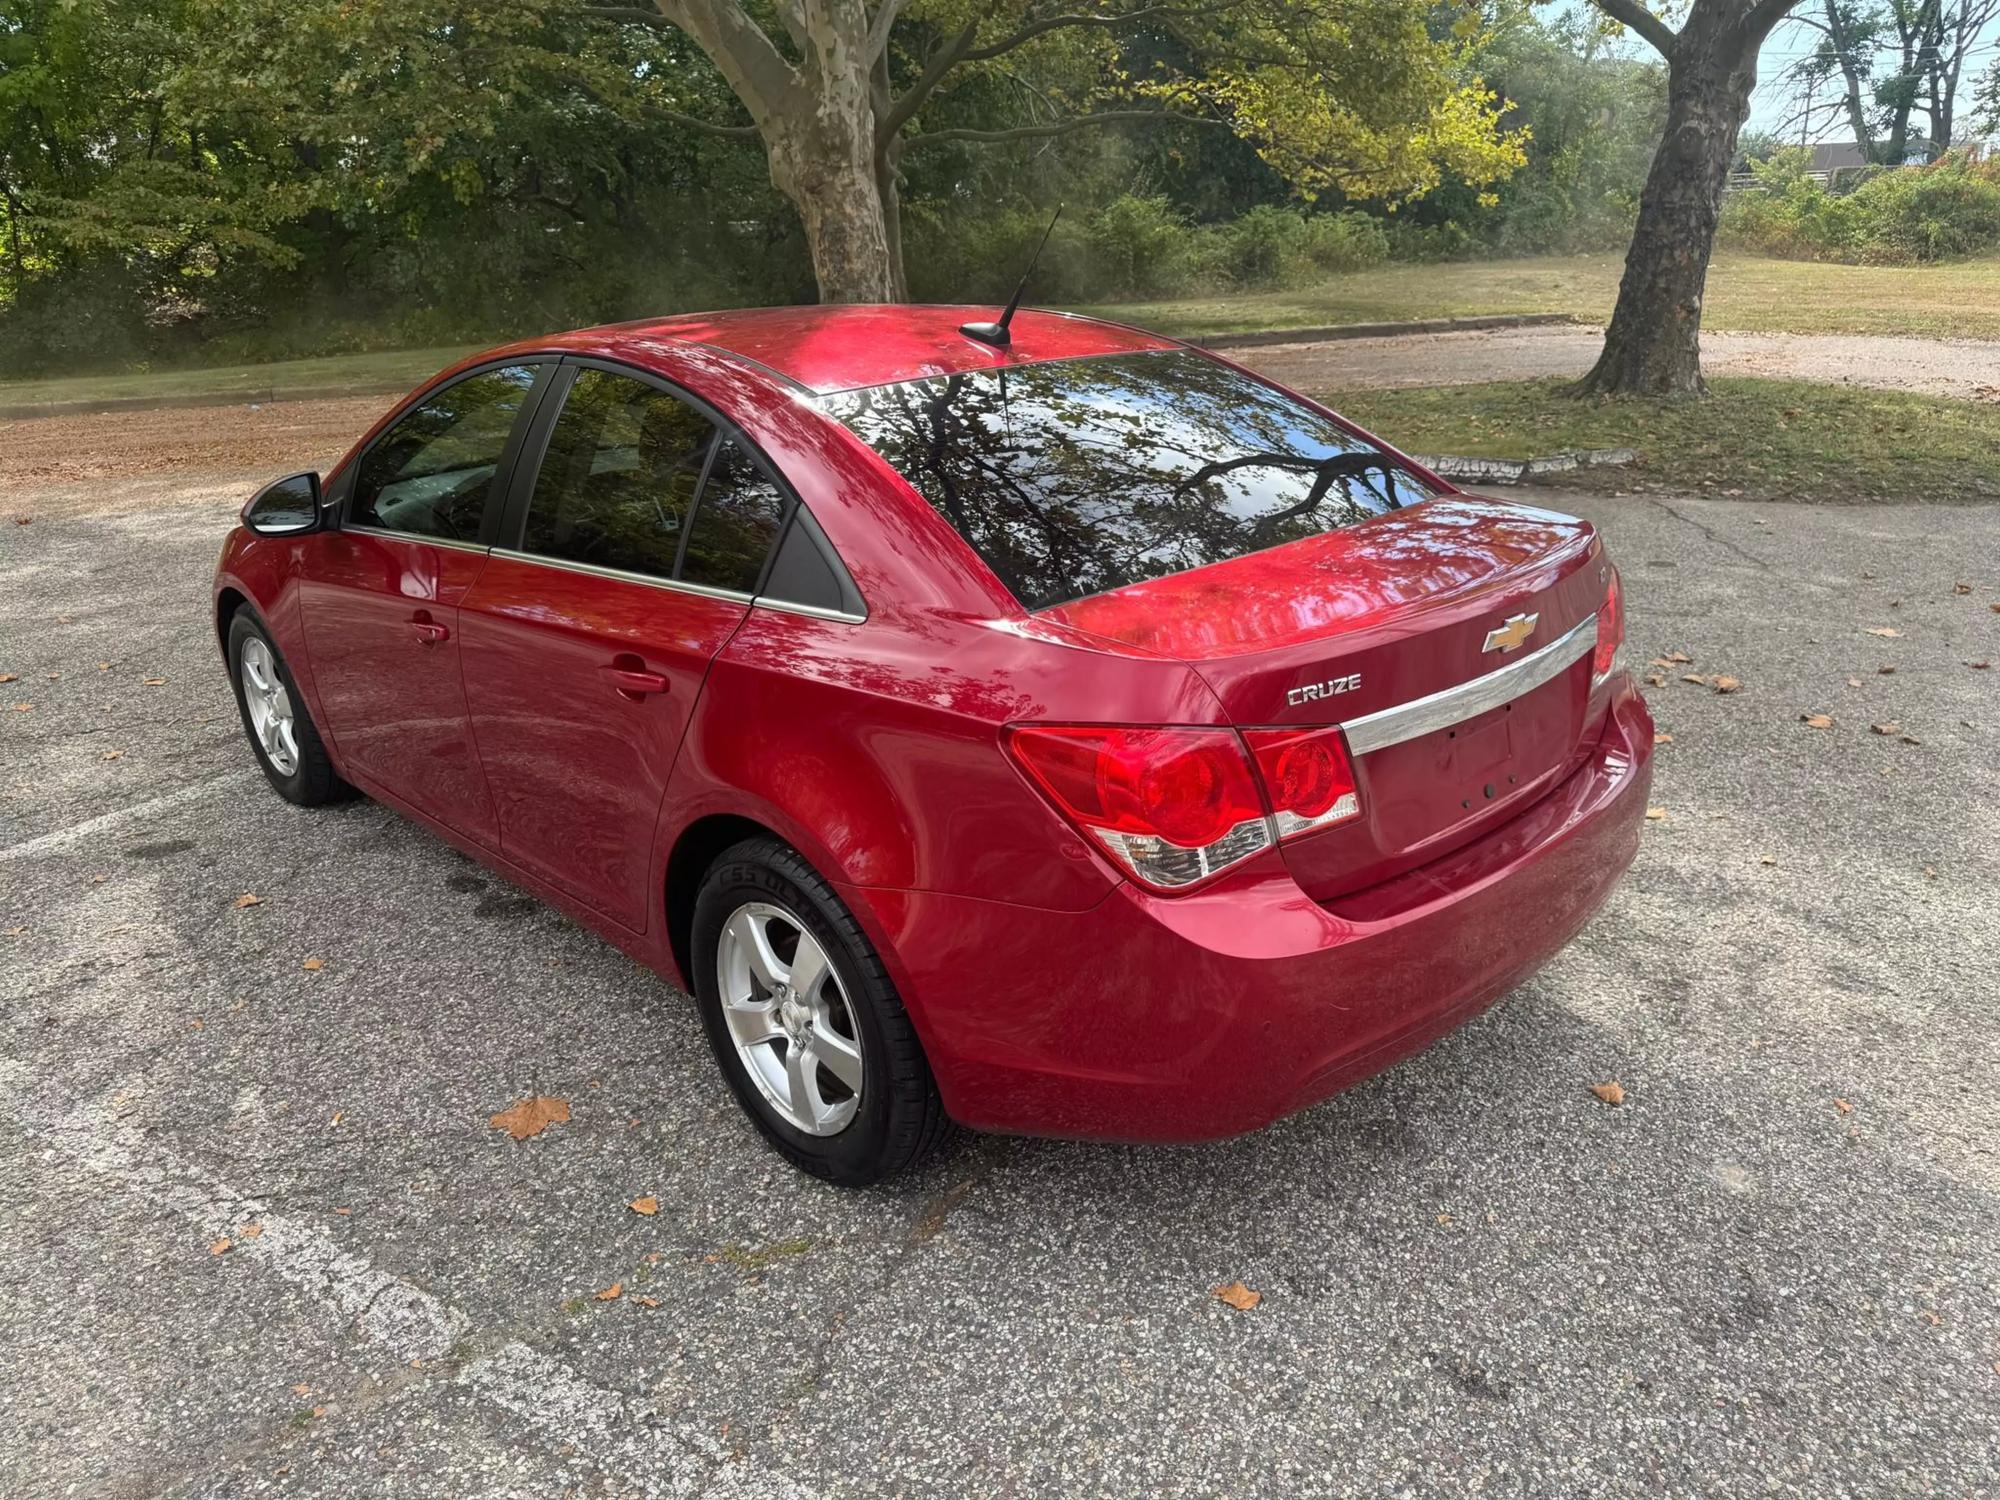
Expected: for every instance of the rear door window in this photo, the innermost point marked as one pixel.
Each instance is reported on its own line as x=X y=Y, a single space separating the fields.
x=734 y=526
x=1077 y=476
x=431 y=473
x=618 y=481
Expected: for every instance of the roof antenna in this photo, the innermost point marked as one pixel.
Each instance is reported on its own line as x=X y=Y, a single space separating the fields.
x=996 y=334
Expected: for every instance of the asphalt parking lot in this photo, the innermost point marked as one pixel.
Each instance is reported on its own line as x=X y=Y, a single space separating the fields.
x=1773 y=1270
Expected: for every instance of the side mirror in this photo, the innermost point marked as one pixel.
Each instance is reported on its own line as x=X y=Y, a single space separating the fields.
x=286 y=507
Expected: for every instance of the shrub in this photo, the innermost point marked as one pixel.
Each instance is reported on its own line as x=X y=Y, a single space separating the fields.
x=1905 y=216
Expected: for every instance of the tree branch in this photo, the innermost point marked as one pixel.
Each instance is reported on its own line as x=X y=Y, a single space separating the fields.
x=1047 y=24
x=878 y=29
x=709 y=127
x=1061 y=127
x=939 y=63
x=1635 y=17
x=1762 y=17
x=756 y=71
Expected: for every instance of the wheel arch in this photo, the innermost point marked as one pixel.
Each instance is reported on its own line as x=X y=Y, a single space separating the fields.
x=697 y=847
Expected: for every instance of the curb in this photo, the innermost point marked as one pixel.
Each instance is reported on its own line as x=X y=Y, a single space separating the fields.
x=1523 y=470
x=1336 y=331
x=266 y=395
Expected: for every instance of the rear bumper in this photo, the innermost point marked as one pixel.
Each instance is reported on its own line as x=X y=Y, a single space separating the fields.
x=1156 y=1019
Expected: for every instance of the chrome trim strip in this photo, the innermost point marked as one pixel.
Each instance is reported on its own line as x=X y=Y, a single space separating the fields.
x=671 y=585
x=1454 y=705
x=810 y=611
x=416 y=540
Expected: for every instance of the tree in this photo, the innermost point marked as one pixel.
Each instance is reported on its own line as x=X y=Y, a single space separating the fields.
x=1653 y=345
x=1353 y=94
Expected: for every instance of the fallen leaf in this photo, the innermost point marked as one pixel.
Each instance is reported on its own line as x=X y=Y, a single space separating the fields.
x=645 y=1301
x=10 y=676
x=1887 y=632
x=247 y=899
x=301 y=1389
x=1610 y=1093
x=112 y=755
x=1979 y=666
x=344 y=1212
x=1657 y=814
x=1674 y=659
x=1843 y=1106
x=1655 y=679
x=1727 y=684
x=1995 y=608
x=1885 y=671
x=1854 y=682
x=612 y=1293
x=1768 y=859
x=1817 y=721
x=104 y=666
x=1237 y=1295
x=220 y=1247
x=647 y=1206
x=197 y=1023
x=338 y=1116
x=22 y=520
x=1892 y=727
x=1911 y=739
x=314 y=964
x=1961 y=588
x=1663 y=738
x=530 y=1117
x=24 y=708
x=1695 y=677
x=156 y=682
x=1930 y=872
x=250 y=1231
x=319 y=1411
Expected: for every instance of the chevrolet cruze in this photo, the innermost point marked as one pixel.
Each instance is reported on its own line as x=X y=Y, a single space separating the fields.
x=1069 y=733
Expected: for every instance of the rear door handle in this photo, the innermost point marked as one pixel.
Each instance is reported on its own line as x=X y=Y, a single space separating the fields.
x=429 y=632
x=631 y=680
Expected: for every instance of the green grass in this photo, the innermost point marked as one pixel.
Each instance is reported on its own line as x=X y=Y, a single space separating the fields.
x=1753 y=293
x=1766 y=439
x=394 y=370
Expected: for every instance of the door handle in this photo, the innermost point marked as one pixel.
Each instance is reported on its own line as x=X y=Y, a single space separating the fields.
x=429 y=632
x=634 y=682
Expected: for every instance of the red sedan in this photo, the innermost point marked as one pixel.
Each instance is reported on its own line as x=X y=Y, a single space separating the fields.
x=1080 y=735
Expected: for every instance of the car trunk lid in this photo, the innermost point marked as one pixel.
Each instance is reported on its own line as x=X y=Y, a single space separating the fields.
x=1452 y=639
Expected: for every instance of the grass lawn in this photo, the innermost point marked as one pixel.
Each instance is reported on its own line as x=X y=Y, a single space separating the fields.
x=1752 y=293
x=1763 y=439
x=395 y=370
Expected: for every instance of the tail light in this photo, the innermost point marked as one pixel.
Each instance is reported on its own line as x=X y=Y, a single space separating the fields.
x=1309 y=776
x=1610 y=631
x=1176 y=806
x=1172 y=806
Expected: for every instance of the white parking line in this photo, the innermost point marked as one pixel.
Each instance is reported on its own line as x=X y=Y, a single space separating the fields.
x=63 y=837
x=628 y=1439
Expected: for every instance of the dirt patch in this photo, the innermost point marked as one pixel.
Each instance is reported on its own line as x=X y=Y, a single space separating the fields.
x=115 y=460
x=1964 y=368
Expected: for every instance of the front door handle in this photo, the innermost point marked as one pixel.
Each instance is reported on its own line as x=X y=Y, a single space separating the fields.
x=631 y=681
x=429 y=632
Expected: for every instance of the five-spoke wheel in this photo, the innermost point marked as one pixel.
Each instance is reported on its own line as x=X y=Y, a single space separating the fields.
x=789 y=1018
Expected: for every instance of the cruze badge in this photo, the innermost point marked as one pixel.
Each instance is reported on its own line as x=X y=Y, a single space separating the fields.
x=1313 y=691
x=1510 y=633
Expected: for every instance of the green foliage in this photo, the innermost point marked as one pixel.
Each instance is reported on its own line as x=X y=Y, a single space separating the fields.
x=1906 y=216
x=1134 y=247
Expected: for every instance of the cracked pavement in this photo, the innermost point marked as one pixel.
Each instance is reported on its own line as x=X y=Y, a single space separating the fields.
x=1772 y=1270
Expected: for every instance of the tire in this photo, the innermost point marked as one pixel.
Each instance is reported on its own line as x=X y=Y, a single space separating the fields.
x=896 y=1118
x=300 y=771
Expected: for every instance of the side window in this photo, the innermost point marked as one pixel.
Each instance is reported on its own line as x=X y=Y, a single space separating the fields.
x=620 y=473
x=429 y=475
x=741 y=510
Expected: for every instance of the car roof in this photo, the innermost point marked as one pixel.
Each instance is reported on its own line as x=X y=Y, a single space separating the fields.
x=842 y=347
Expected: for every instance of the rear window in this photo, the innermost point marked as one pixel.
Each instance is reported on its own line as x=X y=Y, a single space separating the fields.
x=1077 y=476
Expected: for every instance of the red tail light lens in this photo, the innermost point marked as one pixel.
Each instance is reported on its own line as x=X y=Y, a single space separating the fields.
x=1610 y=630
x=1308 y=774
x=1171 y=806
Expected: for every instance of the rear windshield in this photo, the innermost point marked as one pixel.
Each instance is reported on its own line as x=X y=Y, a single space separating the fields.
x=1077 y=476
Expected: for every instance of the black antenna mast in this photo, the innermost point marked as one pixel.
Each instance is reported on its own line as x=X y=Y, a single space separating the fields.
x=996 y=334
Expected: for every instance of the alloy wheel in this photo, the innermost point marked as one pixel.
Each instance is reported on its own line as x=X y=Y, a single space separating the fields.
x=269 y=706
x=789 y=1017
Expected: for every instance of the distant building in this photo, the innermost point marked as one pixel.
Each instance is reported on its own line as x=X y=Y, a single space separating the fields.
x=1841 y=164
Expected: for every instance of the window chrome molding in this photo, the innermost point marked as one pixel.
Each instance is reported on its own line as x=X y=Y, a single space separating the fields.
x=625 y=575
x=810 y=611
x=418 y=539
x=1454 y=705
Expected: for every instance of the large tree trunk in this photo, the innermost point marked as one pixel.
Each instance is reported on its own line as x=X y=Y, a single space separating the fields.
x=1653 y=346
x=834 y=187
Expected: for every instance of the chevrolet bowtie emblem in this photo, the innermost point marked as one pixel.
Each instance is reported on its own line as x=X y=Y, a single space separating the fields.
x=1509 y=634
